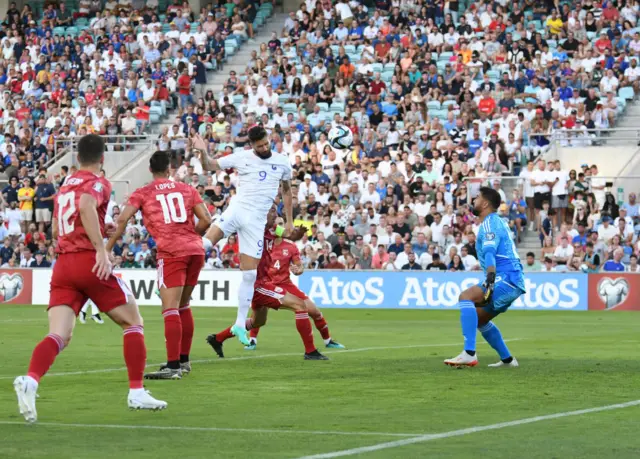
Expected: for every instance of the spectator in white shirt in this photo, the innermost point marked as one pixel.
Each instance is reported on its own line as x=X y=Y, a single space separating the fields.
x=370 y=195
x=563 y=253
x=609 y=82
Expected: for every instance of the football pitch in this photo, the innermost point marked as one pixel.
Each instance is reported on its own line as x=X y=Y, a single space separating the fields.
x=576 y=394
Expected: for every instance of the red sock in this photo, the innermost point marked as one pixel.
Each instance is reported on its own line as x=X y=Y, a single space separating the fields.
x=135 y=355
x=224 y=335
x=253 y=333
x=306 y=333
x=44 y=354
x=186 y=317
x=172 y=334
x=322 y=327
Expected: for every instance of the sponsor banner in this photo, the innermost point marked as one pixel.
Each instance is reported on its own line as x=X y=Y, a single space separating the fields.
x=612 y=291
x=435 y=290
x=15 y=286
x=215 y=288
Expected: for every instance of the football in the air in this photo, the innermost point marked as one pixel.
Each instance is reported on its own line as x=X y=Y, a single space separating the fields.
x=340 y=137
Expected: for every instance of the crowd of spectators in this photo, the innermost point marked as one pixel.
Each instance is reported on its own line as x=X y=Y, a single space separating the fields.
x=441 y=97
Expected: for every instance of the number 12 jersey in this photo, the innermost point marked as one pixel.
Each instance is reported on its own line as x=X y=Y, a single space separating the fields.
x=167 y=213
x=72 y=236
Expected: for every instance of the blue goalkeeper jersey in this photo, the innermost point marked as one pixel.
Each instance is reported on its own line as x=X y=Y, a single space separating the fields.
x=494 y=235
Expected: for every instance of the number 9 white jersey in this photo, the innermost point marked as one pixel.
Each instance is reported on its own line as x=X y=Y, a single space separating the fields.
x=259 y=182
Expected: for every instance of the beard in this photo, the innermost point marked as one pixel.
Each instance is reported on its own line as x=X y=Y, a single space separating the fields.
x=266 y=155
x=475 y=211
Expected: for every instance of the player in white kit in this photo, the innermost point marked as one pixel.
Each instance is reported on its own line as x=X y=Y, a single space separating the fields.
x=261 y=172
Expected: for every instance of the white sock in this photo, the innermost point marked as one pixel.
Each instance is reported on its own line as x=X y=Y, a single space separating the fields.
x=86 y=306
x=327 y=341
x=136 y=392
x=245 y=295
x=94 y=308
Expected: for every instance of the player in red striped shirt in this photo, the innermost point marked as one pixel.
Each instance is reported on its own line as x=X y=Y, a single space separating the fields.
x=274 y=290
x=168 y=210
x=83 y=271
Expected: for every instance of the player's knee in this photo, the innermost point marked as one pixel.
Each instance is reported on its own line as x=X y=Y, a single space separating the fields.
x=249 y=276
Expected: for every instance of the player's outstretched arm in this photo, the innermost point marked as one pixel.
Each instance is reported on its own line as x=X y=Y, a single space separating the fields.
x=91 y=224
x=200 y=148
x=287 y=198
x=204 y=218
x=121 y=225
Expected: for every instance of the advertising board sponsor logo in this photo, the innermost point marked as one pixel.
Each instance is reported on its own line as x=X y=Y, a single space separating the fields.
x=429 y=290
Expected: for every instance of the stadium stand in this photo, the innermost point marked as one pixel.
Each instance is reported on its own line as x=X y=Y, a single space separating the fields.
x=442 y=97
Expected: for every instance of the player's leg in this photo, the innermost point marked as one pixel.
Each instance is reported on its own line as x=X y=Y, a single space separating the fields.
x=249 y=268
x=321 y=325
x=504 y=294
x=114 y=298
x=196 y=262
x=251 y=239
x=469 y=323
x=95 y=313
x=62 y=319
x=82 y=317
x=303 y=325
x=171 y=278
x=258 y=319
x=128 y=317
x=315 y=315
x=188 y=328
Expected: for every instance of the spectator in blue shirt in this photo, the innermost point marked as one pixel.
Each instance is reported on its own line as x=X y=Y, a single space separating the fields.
x=6 y=251
x=565 y=91
x=319 y=177
x=615 y=264
x=398 y=246
x=275 y=78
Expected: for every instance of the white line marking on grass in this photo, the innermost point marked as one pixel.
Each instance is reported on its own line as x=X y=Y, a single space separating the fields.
x=470 y=430
x=211 y=429
x=252 y=357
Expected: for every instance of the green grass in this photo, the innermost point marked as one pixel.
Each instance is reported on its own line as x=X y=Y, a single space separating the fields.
x=569 y=361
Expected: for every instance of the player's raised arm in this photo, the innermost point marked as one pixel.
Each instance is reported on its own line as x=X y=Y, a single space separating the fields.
x=204 y=218
x=287 y=198
x=200 y=147
x=121 y=225
x=88 y=207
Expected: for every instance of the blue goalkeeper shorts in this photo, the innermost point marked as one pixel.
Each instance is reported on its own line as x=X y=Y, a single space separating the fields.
x=506 y=290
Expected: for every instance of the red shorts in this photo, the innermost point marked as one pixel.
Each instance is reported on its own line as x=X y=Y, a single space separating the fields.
x=179 y=271
x=73 y=283
x=267 y=294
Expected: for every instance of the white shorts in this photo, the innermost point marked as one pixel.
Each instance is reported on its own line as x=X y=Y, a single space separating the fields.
x=43 y=215
x=248 y=225
x=26 y=215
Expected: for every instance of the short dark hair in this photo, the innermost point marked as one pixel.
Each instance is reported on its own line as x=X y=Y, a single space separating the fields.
x=531 y=254
x=257 y=133
x=65 y=168
x=159 y=162
x=90 y=149
x=492 y=196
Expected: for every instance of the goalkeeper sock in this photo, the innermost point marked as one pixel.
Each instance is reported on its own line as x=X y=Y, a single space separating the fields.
x=492 y=334
x=469 y=323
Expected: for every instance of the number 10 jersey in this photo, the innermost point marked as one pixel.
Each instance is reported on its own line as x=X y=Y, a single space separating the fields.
x=167 y=213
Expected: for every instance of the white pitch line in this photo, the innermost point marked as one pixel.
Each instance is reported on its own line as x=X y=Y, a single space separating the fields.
x=470 y=430
x=211 y=429
x=252 y=357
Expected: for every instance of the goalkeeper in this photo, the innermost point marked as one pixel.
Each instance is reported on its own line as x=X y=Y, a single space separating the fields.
x=503 y=284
